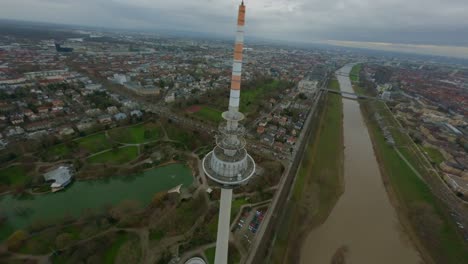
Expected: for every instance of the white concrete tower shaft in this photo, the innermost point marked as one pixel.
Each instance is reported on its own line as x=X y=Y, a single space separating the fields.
x=224 y=229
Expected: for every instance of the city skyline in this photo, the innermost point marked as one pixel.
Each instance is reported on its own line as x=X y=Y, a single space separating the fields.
x=438 y=26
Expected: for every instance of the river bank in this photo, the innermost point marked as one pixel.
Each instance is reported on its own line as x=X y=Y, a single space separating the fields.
x=401 y=208
x=318 y=183
x=422 y=214
x=363 y=226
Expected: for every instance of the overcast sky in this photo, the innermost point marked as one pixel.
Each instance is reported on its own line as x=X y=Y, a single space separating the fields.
x=428 y=22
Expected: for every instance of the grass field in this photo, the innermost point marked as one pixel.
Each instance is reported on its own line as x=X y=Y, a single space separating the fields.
x=182 y=218
x=138 y=134
x=251 y=97
x=320 y=174
x=59 y=151
x=43 y=242
x=210 y=255
x=156 y=235
x=36 y=245
x=236 y=205
x=234 y=256
x=354 y=74
x=111 y=253
x=209 y=114
x=329 y=146
x=434 y=155
x=118 y=156
x=212 y=228
x=183 y=136
x=94 y=143
x=13 y=176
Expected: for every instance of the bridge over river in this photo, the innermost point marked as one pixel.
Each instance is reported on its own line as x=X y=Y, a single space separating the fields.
x=353 y=96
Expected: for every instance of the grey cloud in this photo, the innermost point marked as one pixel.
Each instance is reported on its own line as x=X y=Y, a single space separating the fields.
x=405 y=21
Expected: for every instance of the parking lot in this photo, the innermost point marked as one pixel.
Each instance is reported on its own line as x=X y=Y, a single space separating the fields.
x=248 y=224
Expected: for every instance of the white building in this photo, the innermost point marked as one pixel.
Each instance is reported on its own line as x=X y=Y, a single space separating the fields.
x=43 y=74
x=119 y=78
x=61 y=176
x=195 y=260
x=93 y=87
x=386 y=95
x=169 y=98
x=307 y=86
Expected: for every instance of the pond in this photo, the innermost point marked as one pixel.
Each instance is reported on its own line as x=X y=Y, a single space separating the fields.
x=80 y=196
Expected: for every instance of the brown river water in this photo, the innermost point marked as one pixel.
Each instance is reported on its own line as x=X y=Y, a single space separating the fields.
x=363 y=226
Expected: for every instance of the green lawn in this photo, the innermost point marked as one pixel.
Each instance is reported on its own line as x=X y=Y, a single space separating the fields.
x=329 y=146
x=73 y=230
x=334 y=84
x=156 y=234
x=236 y=205
x=59 y=151
x=94 y=143
x=209 y=114
x=13 y=176
x=212 y=228
x=187 y=138
x=44 y=242
x=182 y=218
x=37 y=245
x=251 y=97
x=234 y=256
x=407 y=182
x=354 y=74
x=403 y=140
x=138 y=134
x=111 y=254
x=434 y=155
x=210 y=255
x=118 y=156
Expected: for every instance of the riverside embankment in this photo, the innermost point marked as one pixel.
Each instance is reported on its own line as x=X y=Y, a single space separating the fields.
x=363 y=227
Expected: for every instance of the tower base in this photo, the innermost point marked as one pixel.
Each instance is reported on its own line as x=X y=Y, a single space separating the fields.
x=224 y=229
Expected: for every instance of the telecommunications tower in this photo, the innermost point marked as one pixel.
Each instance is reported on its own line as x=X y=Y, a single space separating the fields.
x=229 y=164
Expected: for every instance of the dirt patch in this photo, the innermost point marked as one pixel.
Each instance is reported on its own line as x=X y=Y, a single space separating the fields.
x=340 y=255
x=193 y=109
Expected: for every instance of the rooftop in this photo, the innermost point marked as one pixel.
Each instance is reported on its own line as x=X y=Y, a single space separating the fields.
x=195 y=260
x=61 y=176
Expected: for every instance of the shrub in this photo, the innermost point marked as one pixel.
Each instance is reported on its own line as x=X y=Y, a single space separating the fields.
x=16 y=239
